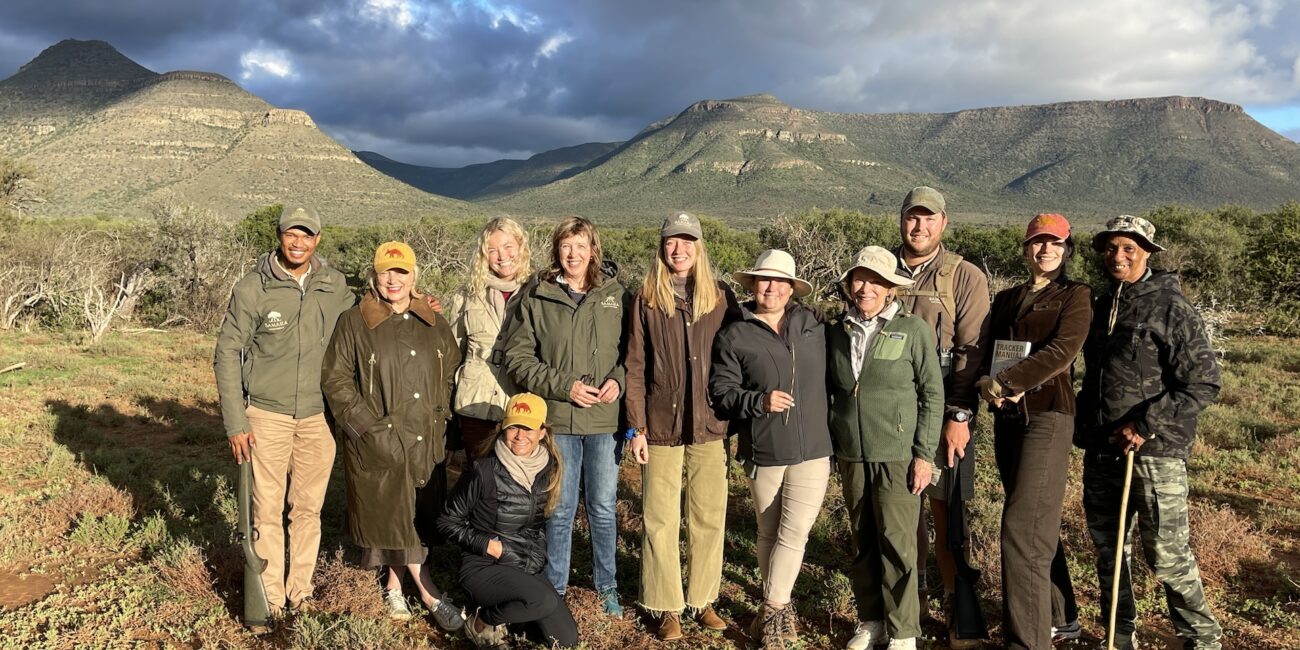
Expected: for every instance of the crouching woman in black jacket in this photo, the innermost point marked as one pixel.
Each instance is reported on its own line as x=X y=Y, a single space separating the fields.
x=497 y=513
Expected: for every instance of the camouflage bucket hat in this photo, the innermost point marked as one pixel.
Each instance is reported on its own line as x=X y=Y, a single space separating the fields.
x=1129 y=226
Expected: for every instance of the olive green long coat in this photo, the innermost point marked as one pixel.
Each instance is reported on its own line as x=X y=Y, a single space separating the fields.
x=387 y=379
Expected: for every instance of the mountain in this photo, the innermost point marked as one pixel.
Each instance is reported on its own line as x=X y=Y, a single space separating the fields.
x=113 y=137
x=494 y=179
x=750 y=158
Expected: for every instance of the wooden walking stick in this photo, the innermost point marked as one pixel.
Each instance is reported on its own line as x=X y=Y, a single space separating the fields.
x=1119 y=550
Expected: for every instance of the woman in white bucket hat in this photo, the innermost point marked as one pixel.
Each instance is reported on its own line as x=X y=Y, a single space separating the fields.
x=769 y=379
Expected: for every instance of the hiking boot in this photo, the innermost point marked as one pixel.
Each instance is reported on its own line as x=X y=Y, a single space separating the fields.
x=398 y=610
x=708 y=618
x=866 y=635
x=789 y=624
x=306 y=604
x=447 y=615
x=491 y=636
x=670 y=627
x=902 y=644
x=1123 y=643
x=609 y=603
x=1066 y=632
x=774 y=628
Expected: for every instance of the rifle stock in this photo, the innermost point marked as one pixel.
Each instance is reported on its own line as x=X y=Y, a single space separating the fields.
x=257 y=613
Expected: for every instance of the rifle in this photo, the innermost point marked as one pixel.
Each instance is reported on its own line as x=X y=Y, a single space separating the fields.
x=257 y=613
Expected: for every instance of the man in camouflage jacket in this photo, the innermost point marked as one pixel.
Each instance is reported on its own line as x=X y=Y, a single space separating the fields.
x=1150 y=372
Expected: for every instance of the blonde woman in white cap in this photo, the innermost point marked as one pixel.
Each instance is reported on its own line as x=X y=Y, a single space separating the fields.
x=769 y=378
x=886 y=391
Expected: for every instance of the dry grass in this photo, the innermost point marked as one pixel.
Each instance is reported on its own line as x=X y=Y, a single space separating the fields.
x=116 y=489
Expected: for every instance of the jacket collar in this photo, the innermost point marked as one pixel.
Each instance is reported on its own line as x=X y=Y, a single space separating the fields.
x=375 y=311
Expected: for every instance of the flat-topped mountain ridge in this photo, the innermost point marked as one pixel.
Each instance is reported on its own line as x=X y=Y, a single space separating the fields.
x=750 y=157
x=119 y=142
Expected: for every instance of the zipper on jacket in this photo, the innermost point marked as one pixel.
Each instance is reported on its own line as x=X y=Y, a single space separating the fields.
x=370 y=384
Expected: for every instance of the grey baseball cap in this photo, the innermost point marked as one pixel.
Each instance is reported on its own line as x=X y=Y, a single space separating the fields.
x=297 y=216
x=681 y=223
x=1129 y=226
x=923 y=197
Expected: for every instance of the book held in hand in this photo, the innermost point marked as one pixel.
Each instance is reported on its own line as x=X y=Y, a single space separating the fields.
x=1007 y=354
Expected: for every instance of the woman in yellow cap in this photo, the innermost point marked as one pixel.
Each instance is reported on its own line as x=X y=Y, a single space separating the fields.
x=387 y=378
x=497 y=513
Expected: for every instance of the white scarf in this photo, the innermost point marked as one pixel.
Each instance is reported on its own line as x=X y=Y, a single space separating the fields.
x=523 y=469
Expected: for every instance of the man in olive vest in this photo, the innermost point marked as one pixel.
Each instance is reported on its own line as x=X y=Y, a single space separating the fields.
x=268 y=367
x=952 y=296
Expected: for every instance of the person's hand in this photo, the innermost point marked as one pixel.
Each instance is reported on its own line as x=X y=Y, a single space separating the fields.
x=583 y=395
x=956 y=435
x=434 y=303
x=494 y=548
x=241 y=445
x=777 y=401
x=608 y=392
x=988 y=389
x=921 y=472
x=1128 y=438
x=639 y=449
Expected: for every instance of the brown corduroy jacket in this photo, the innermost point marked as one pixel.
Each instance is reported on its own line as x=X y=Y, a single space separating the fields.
x=1055 y=322
x=658 y=374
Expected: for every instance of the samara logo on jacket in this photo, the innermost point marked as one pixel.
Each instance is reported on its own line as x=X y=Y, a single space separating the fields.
x=609 y=302
x=274 y=322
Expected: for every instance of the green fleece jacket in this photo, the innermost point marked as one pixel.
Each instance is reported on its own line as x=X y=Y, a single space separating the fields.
x=893 y=409
x=273 y=340
x=555 y=342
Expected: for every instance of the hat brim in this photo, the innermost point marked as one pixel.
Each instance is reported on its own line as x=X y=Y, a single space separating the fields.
x=532 y=423
x=1099 y=240
x=746 y=280
x=300 y=224
x=680 y=232
x=389 y=266
x=891 y=276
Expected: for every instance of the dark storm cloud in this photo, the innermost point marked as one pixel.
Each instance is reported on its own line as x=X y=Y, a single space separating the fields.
x=450 y=82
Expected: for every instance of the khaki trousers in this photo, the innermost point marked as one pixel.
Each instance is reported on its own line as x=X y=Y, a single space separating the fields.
x=787 y=499
x=293 y=459
x=706 y=513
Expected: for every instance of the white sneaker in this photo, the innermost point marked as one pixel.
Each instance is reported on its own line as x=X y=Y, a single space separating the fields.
x=902 y=644
x=868 y=634
x=397 y=607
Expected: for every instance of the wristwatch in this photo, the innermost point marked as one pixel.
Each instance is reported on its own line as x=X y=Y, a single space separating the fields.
x=959 y=415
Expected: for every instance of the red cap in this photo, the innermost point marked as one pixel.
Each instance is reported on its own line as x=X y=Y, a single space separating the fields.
x=1048 y=223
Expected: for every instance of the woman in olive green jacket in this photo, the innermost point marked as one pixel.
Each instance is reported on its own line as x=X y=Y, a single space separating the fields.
x=886 y=394
x=567 y=347
x=387 y=378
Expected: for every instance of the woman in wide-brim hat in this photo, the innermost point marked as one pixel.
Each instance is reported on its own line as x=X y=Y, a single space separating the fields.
x=886 y=392
x=769 y=379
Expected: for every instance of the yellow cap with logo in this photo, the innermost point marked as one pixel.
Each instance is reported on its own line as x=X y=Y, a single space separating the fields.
x=394 y=255
x=525 y=410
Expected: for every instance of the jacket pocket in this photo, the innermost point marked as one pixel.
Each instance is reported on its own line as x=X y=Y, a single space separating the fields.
x=379 y=448
x=889 y=346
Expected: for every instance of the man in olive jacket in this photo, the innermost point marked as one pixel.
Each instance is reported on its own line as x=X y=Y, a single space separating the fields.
x=268 y=367
x=1150 y=371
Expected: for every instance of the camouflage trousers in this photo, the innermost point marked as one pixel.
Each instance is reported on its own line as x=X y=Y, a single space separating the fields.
x=1158 y=504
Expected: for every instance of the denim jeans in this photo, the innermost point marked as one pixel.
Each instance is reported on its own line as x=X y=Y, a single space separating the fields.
x=594 y=459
